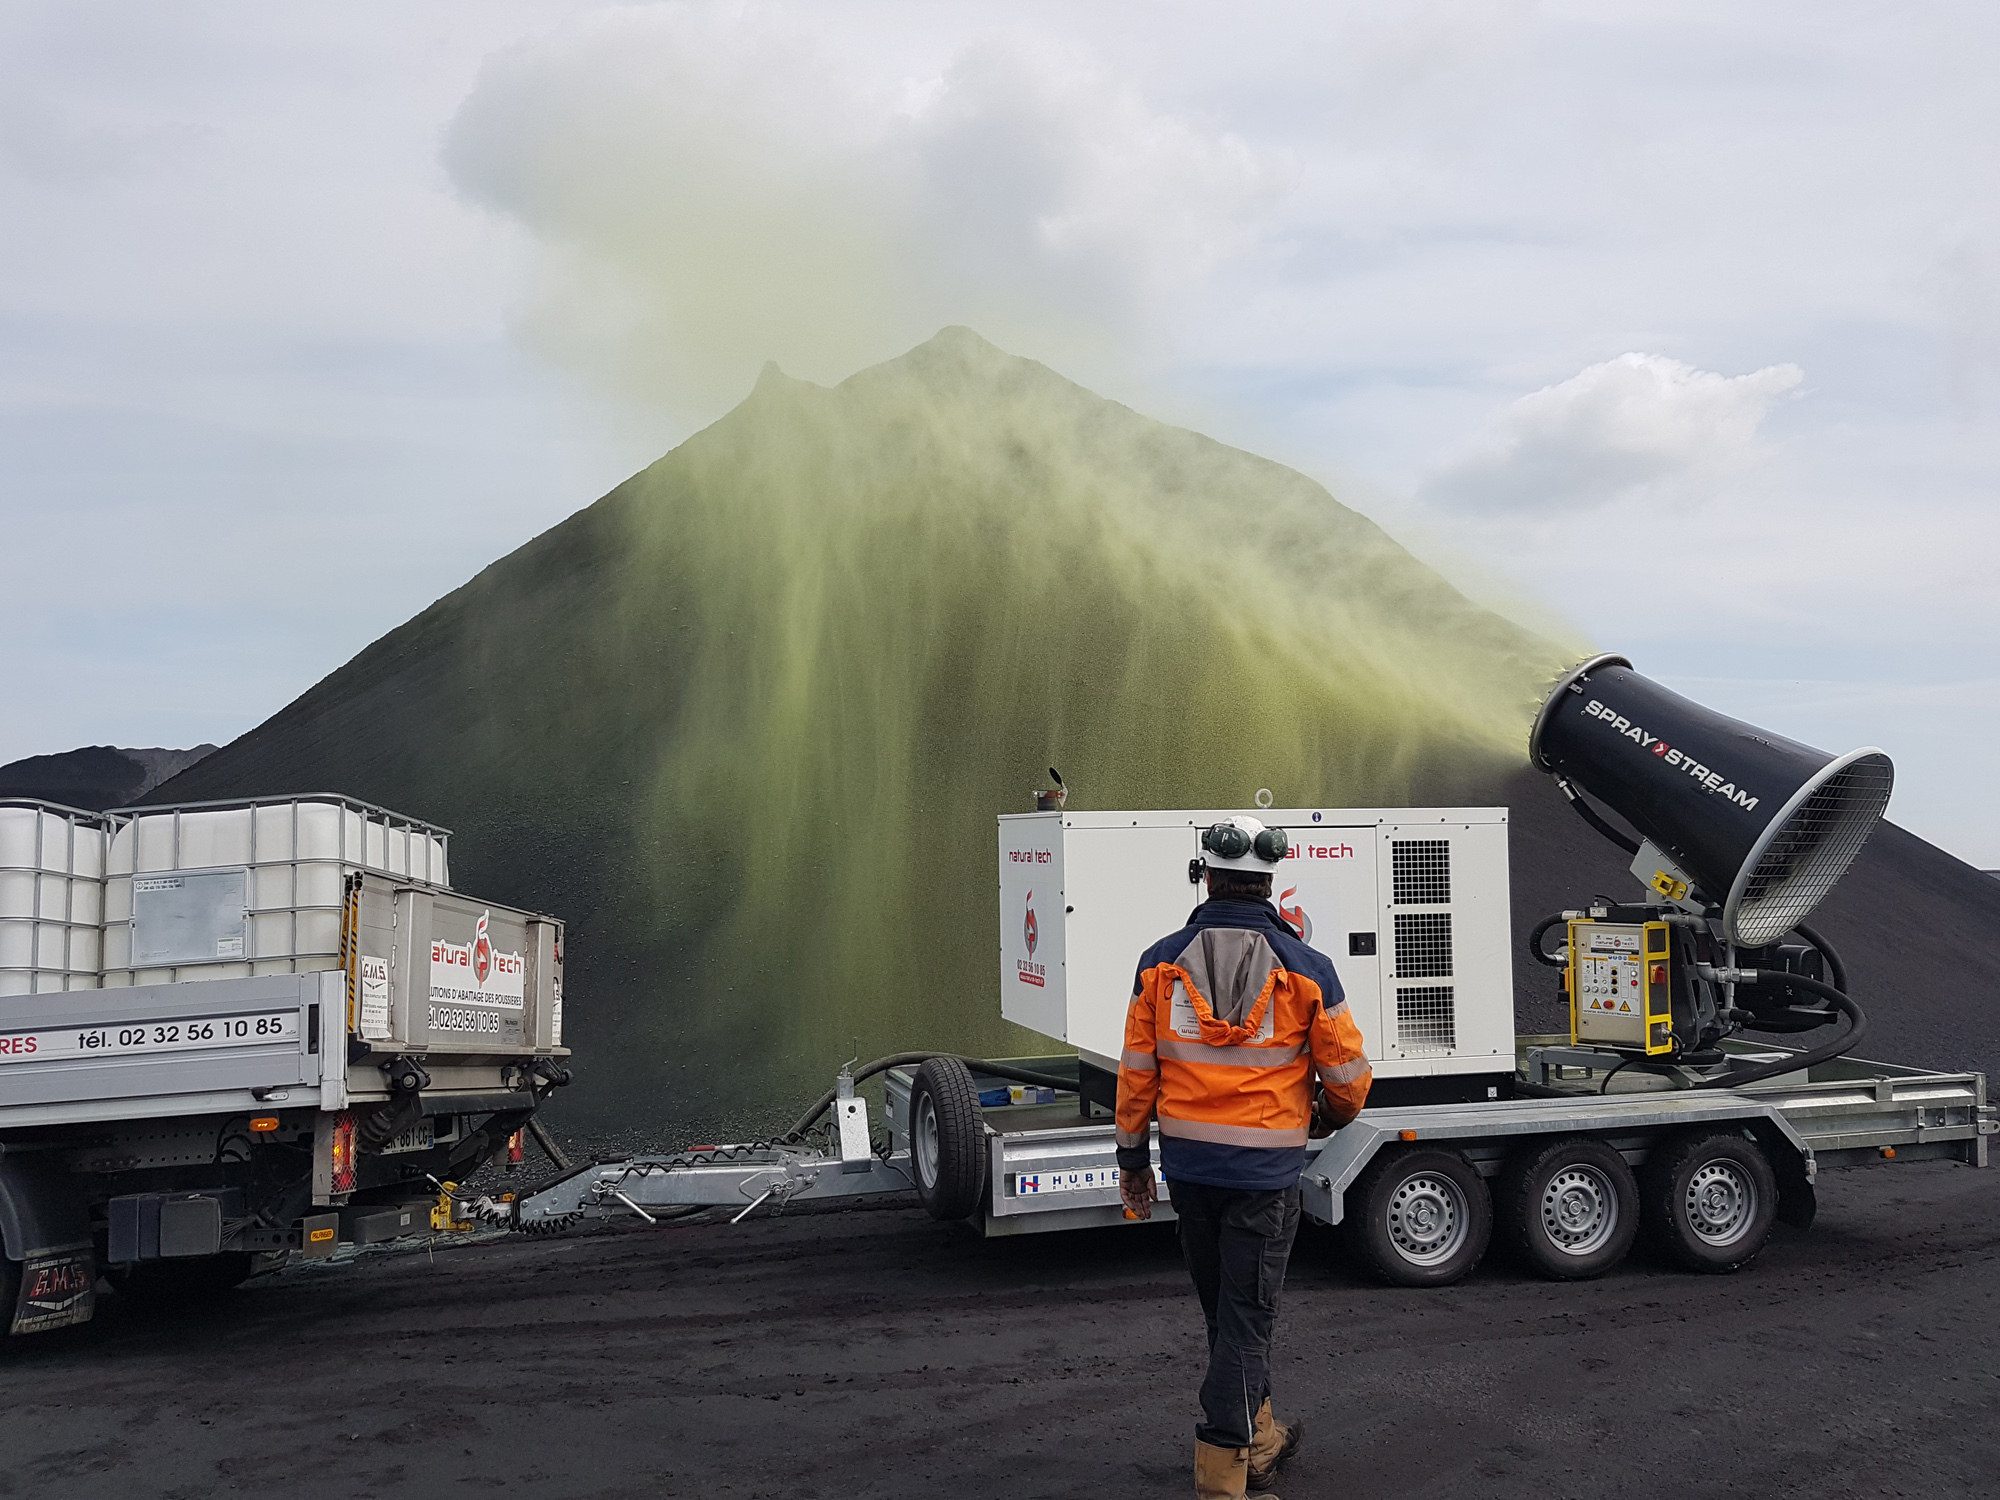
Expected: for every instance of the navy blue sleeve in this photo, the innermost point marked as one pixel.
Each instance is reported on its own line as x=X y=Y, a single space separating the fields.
x=1315 y=965
x=1159 y=953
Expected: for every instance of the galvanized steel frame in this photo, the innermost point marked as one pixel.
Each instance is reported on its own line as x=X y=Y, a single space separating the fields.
x=369 y=813
x=1838 y=1122
x=35 y=970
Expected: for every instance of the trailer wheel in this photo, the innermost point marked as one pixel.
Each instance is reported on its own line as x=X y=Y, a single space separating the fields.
x=947 y=1139
x=1710 y=1200
x=1419 y=1218
x=1571 y=1207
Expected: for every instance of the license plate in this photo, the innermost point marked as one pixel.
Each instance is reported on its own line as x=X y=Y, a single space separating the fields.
x=419 y=1137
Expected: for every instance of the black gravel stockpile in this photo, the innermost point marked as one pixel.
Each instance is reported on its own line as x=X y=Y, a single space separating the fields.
x=96 y=777
x=879 y=1354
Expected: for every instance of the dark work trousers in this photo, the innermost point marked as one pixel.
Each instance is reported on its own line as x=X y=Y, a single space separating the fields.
x=1236 y=1244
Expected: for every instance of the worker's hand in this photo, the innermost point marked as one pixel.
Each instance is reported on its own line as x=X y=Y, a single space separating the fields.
x=1136 y=1188
x=1323 y=1122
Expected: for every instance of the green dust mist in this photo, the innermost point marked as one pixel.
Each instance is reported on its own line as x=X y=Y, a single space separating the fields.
x=896 y=601
x=746 y=722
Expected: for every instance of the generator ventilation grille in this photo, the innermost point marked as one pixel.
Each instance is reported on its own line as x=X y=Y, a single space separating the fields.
x=1423 y=945
x=1421 y=870
x=1426 y=1019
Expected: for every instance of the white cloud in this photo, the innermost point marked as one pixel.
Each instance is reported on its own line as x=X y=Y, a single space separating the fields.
x=1634 y=423
x=714 y=188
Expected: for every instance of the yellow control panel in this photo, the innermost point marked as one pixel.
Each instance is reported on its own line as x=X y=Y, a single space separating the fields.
x=1619 y=982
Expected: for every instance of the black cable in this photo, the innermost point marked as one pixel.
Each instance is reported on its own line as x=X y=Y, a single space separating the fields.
x=1605 y=1087
x=1535 y=944
x=896 y=1059
x=1836 y=971
x=1590 y=815
x=1857 y=1028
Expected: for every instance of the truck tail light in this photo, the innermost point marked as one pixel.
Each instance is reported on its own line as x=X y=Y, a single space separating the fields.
x=342 y=1146
x=263 y=1124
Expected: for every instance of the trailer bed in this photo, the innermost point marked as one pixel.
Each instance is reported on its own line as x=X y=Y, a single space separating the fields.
x=1051 y=1167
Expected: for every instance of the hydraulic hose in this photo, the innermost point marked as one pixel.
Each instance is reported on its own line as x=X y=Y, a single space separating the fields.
x=897 y=1059
x=1806 y=1018
x=1535 y=943
x=1836 y=970
x=1590 y=815
x=1857 y=1028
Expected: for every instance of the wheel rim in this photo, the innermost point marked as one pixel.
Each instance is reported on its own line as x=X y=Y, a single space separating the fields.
x=1580 y=1209
x=925 y=1141
x=1428 y=1215
x=1721 y=1202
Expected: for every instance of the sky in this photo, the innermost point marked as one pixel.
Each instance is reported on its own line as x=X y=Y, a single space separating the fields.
x=1669 y=329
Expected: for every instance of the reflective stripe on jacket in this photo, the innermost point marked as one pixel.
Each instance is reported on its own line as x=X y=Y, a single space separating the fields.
x=1231 y=1019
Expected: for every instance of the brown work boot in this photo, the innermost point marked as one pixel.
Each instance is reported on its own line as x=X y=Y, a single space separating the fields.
x=1220 y=1473
x=1270 y=1445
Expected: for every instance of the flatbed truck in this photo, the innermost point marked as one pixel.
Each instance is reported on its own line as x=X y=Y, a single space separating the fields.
x=234 y=1033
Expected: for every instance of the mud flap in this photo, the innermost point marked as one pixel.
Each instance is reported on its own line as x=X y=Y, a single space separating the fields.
x=56 y=1290
x=44 y=1226
x=1798 y=1201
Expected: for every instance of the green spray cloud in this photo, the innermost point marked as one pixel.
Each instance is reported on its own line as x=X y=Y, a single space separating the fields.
x=746 y=722
x=902 y=597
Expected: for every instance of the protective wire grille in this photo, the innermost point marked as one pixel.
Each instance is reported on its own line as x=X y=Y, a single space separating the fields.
x=1423 y=945
x=1812 y=850
x=1421 y=871
x=1426 y=1019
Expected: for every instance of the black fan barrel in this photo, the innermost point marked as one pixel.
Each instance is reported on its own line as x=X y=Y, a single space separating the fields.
x=1765 y=825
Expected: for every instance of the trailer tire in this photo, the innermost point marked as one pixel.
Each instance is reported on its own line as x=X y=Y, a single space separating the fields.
x=1709 y=1200
x=1419 y=1218
x=947 y=1139
x=1570 y=1207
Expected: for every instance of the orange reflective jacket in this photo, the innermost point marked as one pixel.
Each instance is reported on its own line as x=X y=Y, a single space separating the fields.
x=1232 y=1019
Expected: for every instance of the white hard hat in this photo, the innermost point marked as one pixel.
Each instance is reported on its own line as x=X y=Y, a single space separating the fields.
x=1242 y=843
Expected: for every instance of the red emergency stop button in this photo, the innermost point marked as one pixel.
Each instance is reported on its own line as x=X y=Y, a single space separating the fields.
x=1659 y=973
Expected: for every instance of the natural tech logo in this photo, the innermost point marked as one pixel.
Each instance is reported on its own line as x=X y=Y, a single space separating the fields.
x=482 y=950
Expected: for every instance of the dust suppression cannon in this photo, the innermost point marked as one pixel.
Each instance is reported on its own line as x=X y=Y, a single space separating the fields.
x=1741 y=834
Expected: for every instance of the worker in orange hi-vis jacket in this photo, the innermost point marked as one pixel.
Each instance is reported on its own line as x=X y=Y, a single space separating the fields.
x=1233 y=1019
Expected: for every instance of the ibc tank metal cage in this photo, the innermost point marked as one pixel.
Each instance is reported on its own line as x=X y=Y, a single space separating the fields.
x=296 y=852
x=51 y=896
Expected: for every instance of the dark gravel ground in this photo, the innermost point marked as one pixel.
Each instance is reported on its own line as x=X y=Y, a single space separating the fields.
x=875 y=1353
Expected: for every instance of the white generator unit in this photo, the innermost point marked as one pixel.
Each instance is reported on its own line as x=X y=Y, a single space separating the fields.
x=1410 y=904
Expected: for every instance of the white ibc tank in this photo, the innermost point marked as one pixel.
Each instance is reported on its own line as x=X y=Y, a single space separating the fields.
x=51 y=897
x=294 y=854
